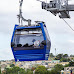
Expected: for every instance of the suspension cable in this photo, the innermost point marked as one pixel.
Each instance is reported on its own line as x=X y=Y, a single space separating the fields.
x=68 y=24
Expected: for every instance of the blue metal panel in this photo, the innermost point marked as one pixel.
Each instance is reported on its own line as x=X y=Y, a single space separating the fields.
x=47 y=40
x=29 y=52
x=12 y=40
x=30 y=59
x=44 y=35
x=29 y=56
x=13 y=32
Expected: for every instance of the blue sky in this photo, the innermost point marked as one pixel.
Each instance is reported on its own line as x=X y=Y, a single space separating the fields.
x=62 y=37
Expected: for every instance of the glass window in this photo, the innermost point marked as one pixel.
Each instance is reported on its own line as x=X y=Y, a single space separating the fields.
x=47 y=39
x=28 y=38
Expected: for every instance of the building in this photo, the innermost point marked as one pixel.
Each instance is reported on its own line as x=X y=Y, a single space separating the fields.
x=52 y=64
x=67 y=70
x=3 y=66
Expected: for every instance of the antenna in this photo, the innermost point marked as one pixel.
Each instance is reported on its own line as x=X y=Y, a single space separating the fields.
x=55 y=52
x=60 y=7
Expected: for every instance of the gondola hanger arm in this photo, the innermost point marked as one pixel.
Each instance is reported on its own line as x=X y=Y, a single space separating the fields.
x=21 y=18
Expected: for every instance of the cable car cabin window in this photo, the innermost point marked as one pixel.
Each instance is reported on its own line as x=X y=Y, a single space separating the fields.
x=28 y=39
x=47 y=39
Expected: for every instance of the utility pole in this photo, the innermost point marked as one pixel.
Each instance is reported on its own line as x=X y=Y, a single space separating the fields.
x=55 y=52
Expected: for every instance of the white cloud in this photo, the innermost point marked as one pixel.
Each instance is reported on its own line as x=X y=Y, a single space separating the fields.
x=71 y=41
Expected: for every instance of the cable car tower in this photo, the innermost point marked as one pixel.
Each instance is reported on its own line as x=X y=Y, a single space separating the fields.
x=60 y=7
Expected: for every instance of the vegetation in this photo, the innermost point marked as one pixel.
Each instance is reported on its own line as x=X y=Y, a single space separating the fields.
x=12 y=65
x=33 y=68
x=65 y=55
x=62 y=57
x=71 y=63
x=14 y=70
x=29 y=71
x=56 y=70
x=40 y=70
x=0 y=70
x=71 y=55
x=58 y=67
x=59 y=56
x=51 y=55
x=17 y=70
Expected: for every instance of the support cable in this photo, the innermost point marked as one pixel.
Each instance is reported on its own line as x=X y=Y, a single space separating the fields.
x=68 y=24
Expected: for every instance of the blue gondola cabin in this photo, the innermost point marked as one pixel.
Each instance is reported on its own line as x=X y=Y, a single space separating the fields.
x=30 y=43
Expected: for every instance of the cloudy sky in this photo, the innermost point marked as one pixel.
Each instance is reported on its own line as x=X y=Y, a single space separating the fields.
x=62 y=37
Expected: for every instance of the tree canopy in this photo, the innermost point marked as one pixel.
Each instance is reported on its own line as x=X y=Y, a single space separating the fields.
x=14 y=70
x=58 y=67
x=59 y=56
x=65 y=55
x=51 y=55
x=71 y=63
x=12 y=65
x=40 y=70
x=0 y=70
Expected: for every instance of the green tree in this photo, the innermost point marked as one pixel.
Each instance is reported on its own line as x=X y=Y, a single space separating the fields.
x=0 y=70
x=15 y=70
x=51 y=55
x=71 y=55
x=65 y=55
x=54 y=71
x=12 y=65
x=58 y=67
x=48 y=72
x=71 y=63
x=67 y=65
x=64 y=59
x=33 y=68
x=59 y=56
x=40 y=70
x=29 y=71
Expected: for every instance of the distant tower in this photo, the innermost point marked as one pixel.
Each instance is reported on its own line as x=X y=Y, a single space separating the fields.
x=55 y=52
